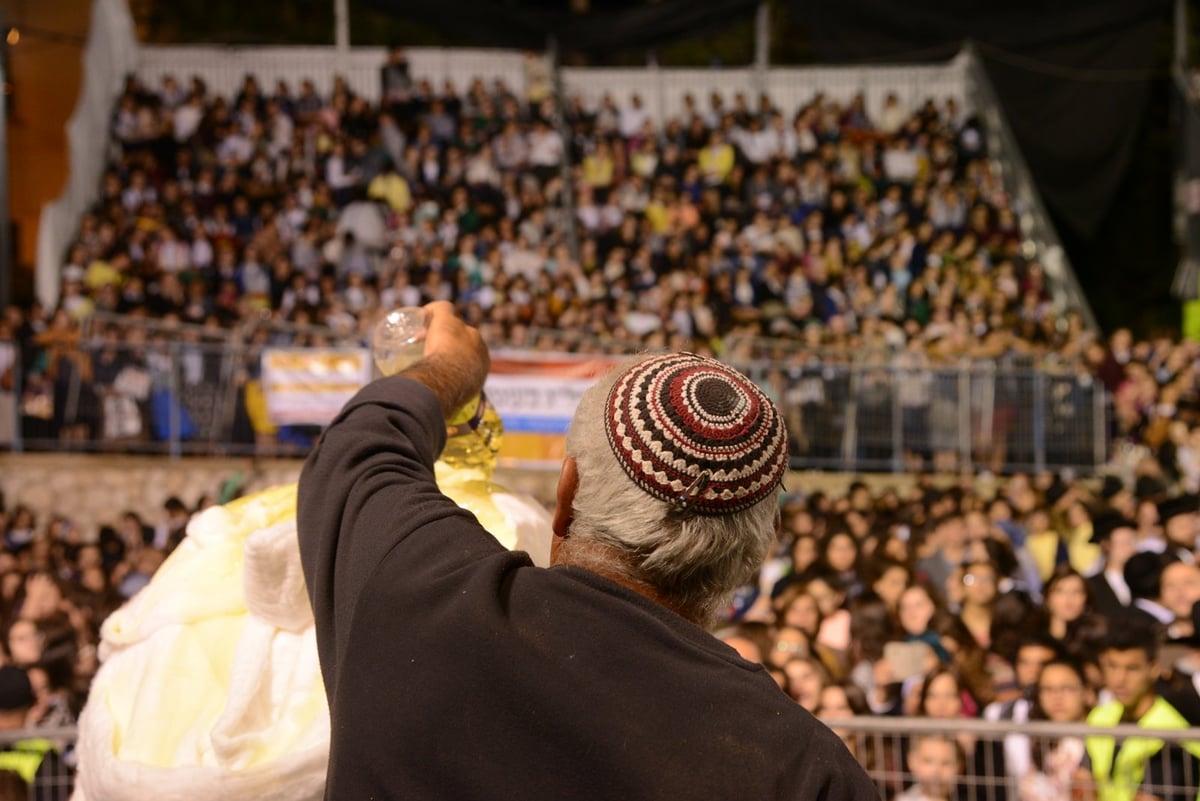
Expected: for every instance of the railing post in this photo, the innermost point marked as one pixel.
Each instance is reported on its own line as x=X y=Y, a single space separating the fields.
x=174 y=401
x=762 y=46
x=964 y=417
x=1100 y=422
x=897 y=422
x=850 y=421
x=1039 y=421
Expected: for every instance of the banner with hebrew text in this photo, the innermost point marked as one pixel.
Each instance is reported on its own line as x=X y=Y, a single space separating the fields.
x=539 y=396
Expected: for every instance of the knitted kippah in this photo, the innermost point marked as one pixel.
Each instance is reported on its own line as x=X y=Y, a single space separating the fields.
x=697 y=434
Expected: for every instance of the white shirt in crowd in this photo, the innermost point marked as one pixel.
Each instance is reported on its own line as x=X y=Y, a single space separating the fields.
x=186 y=120
x=545 y=148
x=632 y=118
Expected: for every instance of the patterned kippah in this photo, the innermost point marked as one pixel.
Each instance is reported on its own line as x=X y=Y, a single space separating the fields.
x=697 y=434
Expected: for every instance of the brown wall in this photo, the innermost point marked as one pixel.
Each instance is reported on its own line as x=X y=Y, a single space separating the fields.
x=45 y=73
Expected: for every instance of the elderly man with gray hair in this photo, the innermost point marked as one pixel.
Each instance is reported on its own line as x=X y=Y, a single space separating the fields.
x=457 y=669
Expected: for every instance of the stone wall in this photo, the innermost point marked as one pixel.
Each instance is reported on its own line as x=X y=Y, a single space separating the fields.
x=93 y=490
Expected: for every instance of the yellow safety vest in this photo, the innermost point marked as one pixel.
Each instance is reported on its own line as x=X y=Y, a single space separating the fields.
x=1119 y=780
x=25 y=757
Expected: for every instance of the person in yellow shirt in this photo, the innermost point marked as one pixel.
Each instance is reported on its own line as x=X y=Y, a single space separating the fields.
x=716 y=160
x=1138 y=767
x=598 y=169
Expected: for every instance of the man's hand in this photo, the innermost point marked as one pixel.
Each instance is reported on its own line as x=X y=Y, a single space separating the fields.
x=456 y=361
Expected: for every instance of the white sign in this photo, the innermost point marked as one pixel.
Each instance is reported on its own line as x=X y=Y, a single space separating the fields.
x=306 y=386
x=535 y=404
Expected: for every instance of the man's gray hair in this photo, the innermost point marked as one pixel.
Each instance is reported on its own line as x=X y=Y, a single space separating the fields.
x=694 y=561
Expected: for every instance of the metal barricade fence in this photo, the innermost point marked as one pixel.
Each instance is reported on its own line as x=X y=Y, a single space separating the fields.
x=888 y=417
x=990 y=761
x=172 y=392
x=1007 y=761
x=51 y=751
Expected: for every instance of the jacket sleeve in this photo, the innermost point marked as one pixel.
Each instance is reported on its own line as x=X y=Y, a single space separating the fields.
x=367 y=485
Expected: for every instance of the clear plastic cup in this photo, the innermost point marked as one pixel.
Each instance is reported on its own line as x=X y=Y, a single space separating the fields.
x=398 y=339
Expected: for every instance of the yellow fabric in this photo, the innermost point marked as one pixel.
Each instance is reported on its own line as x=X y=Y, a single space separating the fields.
x=256 y=409
x=716 y=163
x=1119 y=779
x=1043 y=547
x=391 y=189
x=659 y=217
x=597 y=171
x=25 y=757
x=1082 y=552
x=99 y=274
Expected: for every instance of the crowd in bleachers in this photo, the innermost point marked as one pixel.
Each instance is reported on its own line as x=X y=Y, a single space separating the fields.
x=731 y=216
x=281 y=215
x=830 y=231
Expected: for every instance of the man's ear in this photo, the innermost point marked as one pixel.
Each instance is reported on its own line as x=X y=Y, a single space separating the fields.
x=564 y=509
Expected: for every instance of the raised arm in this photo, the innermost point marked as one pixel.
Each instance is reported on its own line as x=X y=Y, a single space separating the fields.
x=369 y=483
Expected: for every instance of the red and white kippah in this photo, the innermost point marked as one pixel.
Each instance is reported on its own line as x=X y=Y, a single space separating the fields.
x=696 y=433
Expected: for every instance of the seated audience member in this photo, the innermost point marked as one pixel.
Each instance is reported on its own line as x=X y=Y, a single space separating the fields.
x=1143 y=574
x=826 y=586
x=1117 y=537
x=1179 y=590
x=1180 y=680
x=1179 y=519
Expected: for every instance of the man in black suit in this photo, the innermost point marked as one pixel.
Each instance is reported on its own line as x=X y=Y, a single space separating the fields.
x=1180 y=682
x=1143 y=574
x=1117 y=537
x=1180 y=521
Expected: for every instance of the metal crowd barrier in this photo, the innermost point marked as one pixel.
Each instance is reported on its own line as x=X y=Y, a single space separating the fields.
x=889 y=417
x=995 y=761
x=175 y=391
x=1006 y=761
x=57 y=776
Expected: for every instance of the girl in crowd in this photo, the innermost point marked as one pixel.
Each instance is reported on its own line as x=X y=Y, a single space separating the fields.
x=806 y=679
x=917 y=610
x=979 y=582
x=804 y=555
x=871 y=628
x=842 y=701
x=935 y=762
x=1066 y=613
x=1057 y=765
x=944 y=696
x=839 y=551
x=797 y=608
x=886 y=580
